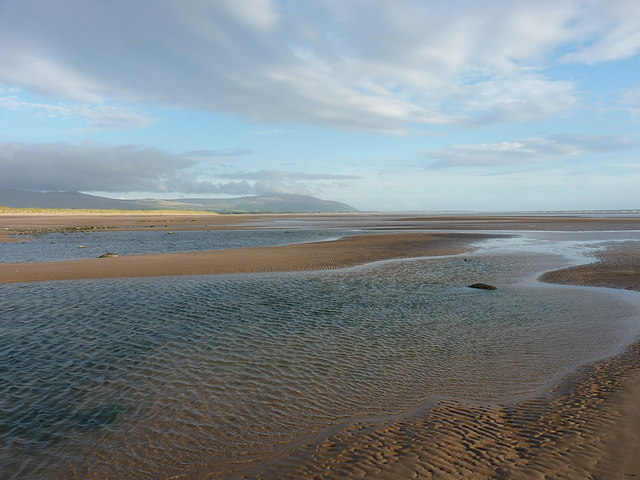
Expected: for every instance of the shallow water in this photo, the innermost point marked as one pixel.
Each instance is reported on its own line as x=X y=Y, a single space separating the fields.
x=154 y=378
x=91 y=244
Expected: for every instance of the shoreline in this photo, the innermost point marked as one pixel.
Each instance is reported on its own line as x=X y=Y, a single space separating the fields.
x=34 y=224
x=617 y=267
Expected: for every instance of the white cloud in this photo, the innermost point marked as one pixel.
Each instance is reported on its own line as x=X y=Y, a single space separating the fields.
x=363 y=65
x=105 y=117
x=219 y=152
x=98 y=117
x=527 y=97
x=631 y=100
x=270 y=175
x=530 y=150
x=47 y=76
x=607 y=30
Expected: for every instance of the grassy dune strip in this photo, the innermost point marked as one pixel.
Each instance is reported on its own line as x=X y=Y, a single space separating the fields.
x=84 y=211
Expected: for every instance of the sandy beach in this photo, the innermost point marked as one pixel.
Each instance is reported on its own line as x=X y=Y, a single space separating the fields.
x=11 y=224
x=586 y=426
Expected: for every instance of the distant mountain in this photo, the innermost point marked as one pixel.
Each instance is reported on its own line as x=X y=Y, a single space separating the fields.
x=27 y=199
x=277 y=203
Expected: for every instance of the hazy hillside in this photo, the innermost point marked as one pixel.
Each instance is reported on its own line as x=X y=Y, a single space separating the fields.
x=26 y=199
x=281 y=203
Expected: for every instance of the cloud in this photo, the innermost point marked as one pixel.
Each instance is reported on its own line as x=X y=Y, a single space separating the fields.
x=431 y=63
x=243 y=187
x=221 y=152
x=92 y=167
x=530 y=150
x=631 y=100
x=607 y=31
x=279 y=181
x=526 y=98
x=88 y=167
x=98 y=117
x=113 y=118
x=271 y=175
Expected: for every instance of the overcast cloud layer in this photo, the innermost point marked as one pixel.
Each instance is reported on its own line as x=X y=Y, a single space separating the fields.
x=384 y=104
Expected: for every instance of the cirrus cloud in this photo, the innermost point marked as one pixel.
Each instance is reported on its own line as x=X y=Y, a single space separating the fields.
x=98 y=117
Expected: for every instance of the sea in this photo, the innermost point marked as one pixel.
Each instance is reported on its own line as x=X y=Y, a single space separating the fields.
x=183 y=377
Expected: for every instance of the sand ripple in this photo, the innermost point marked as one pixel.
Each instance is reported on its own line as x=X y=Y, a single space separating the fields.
x=585 y=428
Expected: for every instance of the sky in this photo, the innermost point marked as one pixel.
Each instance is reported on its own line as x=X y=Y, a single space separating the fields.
x=428 y=105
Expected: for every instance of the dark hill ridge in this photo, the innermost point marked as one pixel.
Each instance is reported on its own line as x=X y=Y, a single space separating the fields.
x=277 y=203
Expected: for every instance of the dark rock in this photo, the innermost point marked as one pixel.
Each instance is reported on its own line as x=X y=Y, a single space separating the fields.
x=482 y=286
x=108 y=255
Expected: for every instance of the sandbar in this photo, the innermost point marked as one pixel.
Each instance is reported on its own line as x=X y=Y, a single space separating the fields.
x=618 y=267
x=345 y=252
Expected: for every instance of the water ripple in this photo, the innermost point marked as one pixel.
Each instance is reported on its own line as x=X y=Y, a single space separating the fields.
x=151 y=378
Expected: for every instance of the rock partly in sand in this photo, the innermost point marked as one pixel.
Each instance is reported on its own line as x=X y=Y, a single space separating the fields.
x=482 y=286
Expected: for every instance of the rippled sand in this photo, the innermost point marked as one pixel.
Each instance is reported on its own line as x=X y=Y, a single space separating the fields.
x=585 y=428
x=588 y=426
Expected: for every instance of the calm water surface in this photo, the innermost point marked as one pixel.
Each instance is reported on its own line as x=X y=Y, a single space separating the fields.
x=91 y=244
x=160 y=378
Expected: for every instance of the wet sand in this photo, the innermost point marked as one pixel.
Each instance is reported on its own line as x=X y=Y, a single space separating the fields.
x=585 y=427
x=341 y=253
x=618 y=267
x=42 y=223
